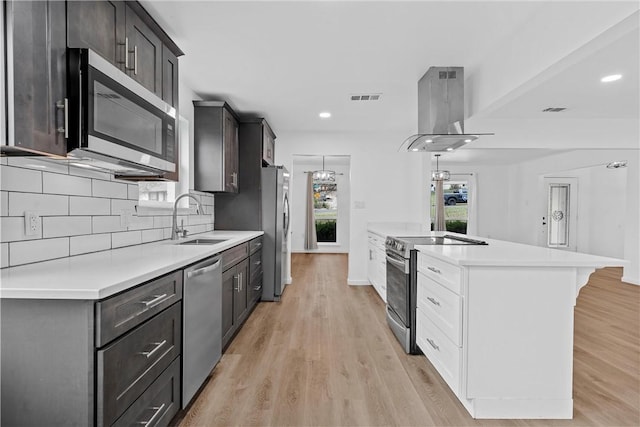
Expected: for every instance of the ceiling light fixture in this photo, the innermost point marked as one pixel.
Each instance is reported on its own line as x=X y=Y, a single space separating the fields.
x=449 y=149
x=324 y=175
x=611 y=78
x=325 y=115
x=617 y=164
x=438 y=175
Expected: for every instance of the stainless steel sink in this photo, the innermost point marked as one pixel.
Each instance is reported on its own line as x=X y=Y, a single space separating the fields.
x=203 y=242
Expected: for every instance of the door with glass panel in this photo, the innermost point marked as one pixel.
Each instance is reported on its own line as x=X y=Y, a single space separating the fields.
x=560 y=221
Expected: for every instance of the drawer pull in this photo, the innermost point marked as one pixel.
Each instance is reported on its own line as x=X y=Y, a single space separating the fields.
x=257 y=263
x=435 y=270
x=257 y=288
x=156 y=299
x=434 y=301
x=158 y=346
x=158 y=410
x=430 y=341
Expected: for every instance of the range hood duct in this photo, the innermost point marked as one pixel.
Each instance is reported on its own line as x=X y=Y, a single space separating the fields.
x=440 y=112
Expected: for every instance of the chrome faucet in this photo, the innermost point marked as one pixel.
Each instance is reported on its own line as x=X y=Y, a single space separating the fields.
x=175 y=231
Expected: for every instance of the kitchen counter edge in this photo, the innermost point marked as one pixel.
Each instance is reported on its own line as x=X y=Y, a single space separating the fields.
x=99 y=275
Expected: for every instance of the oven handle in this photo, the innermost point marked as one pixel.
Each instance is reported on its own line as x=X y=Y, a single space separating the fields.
x=400 y=264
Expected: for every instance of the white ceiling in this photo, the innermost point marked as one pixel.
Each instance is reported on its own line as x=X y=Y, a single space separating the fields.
x=287 y=61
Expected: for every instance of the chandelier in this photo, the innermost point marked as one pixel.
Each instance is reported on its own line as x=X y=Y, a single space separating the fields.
x=324 y=175
x=439 y=175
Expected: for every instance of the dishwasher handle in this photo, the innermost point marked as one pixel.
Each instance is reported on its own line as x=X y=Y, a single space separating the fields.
x=204 y=270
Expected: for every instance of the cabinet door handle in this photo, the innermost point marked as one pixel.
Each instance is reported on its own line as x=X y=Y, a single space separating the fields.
x=158 y=346
x=156 y=299
x=158 y=411
x=126 y=53
x=433 y=344
x=434 y=301
x=234 y=179
x=435 y=270
x=64 y=105
x=257 y=263
x=135 y=60
x=236 y=285
x=240 y=279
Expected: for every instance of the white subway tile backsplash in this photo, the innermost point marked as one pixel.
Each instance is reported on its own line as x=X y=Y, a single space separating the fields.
x=114 y=190
x=161 y=221
x=106 y=224
x=42 y=204
x=4 y=251
x=89 y=206
x=89 y=173
x=167 y=233
x=4 y=160
x=13 y=229
x=152 y=235
x=141 y=223
x=126 y=238
x=118 y=206
x=200 y=219
x=38 y=250
x=56 y=183
x=59 y=226
x=90 y=243
x=132 y=192
x=58 y=166
x=4 y=203
x=19 y=179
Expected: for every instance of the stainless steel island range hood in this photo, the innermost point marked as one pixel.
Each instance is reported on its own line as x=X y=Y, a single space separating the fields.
x=440 y=112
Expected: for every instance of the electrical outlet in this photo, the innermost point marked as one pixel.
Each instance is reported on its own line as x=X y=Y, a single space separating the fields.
x=31 y=224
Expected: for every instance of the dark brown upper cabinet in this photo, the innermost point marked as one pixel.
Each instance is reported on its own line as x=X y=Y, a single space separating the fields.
x=215 y=147
x=144 y=53
x=36 y=64
x=100 y=26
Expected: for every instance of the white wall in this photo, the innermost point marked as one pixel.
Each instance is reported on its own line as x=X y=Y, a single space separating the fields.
x=390 y=185
x=299 y=205
x=605 y=227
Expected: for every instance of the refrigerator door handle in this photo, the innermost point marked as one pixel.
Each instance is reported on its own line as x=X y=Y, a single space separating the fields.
x=286 y=216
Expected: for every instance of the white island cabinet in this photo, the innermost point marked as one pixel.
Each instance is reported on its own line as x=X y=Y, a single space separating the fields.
x=496 y=322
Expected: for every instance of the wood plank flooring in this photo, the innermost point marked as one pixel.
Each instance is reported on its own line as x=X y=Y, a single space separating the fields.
x=324 y=356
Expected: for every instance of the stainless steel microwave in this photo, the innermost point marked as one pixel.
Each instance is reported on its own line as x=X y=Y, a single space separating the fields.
x=114 y=122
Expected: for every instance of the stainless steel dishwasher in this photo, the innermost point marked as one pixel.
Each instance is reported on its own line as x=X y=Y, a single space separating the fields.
x=201 y=324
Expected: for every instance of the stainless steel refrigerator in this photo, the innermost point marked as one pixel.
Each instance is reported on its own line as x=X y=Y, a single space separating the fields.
x=275 y=223
x=262 y=203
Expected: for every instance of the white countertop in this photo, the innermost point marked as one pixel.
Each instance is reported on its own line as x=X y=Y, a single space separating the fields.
x=404 y=229
x=509 y=254
x=101 y=274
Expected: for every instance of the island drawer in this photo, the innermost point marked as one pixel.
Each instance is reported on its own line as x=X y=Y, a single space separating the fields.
x=255 y=265
x=443 y=354
x=255 y=244
x=442 y=306
x=129 y=365
x=159 y=403
x=448 y=275
x=118 y=314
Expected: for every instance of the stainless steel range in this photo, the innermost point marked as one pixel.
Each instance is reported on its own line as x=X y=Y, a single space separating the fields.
x=402 y=272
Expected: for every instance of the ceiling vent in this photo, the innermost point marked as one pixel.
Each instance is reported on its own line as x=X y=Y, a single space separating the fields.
x=553 y=109
x=366 y=97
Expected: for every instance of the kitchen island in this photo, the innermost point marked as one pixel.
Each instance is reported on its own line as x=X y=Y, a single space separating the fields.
x=496 y=322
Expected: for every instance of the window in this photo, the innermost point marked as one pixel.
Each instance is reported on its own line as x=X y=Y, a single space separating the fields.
x=456 y=210
x=325 y=204
x=160 y=194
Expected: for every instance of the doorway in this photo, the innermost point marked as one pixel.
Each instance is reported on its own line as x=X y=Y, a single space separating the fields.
x=331 y=202
x=560 y=221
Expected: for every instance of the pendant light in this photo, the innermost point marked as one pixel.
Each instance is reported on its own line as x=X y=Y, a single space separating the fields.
x=324 y=175
x=439 y=175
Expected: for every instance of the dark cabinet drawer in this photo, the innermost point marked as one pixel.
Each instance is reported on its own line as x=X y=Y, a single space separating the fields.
x=255 y=289
x=255 y=244
x=255 y=265
x=129 y=365
x=118 y=314
x=232 y=256
x=158 y=404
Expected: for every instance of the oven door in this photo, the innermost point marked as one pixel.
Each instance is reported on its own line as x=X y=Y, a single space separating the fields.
x=398 y=286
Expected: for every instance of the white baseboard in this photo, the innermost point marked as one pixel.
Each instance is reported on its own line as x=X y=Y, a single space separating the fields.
x=358 y=282
x=631 y=280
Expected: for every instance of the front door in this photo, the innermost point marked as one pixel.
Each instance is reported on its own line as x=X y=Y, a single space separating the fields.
x=559 y=224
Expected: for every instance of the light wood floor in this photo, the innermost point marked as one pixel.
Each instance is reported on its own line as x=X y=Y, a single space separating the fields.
x=324 y=356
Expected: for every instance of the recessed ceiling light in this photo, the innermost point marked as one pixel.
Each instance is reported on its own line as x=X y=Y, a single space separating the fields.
x=414 y=149
x=449 y=149
x=611 y=78
x=468 y=140
x=325 y=115
x=428 y=140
